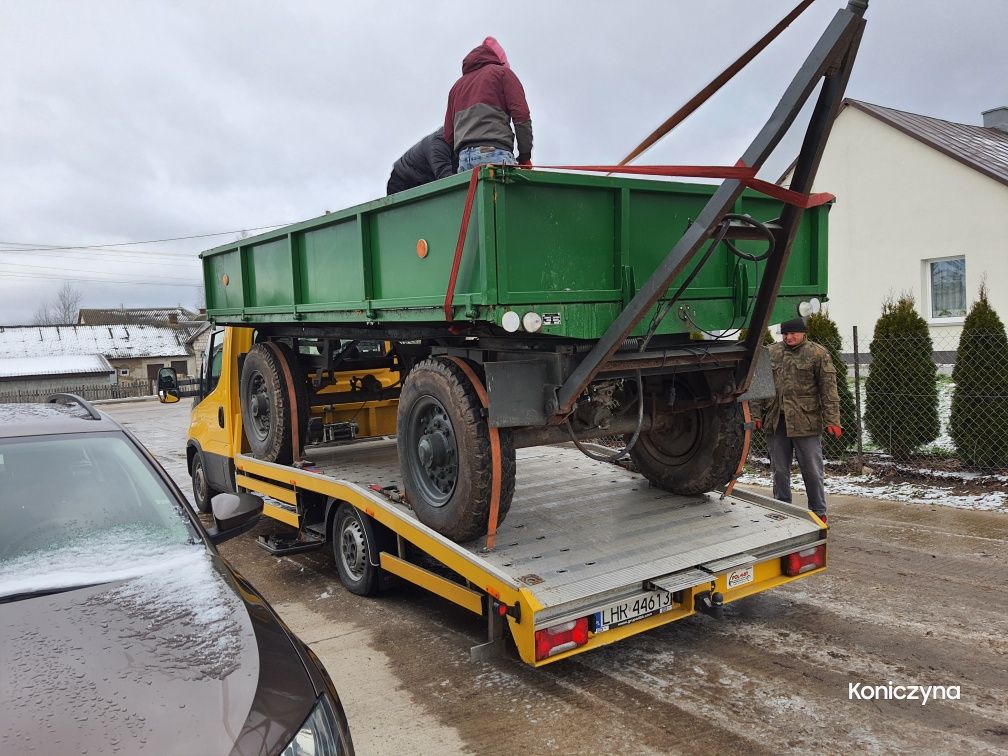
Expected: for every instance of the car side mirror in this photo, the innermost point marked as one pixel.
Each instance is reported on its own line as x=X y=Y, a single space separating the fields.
x=167 y=383
x=233 y=515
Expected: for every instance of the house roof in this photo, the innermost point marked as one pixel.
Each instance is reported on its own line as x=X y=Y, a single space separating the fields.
x=136 y=315
x=31 y=367
x=113 y=341
x=982 y=148
x=195 y=329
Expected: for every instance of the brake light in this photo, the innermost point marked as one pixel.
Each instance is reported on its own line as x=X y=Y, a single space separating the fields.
x=560 y=638
x=803 y=561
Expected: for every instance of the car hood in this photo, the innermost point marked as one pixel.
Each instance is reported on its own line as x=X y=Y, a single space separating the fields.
x=183 y=659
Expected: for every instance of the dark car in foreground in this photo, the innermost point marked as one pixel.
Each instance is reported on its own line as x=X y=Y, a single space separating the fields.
x=121 y=628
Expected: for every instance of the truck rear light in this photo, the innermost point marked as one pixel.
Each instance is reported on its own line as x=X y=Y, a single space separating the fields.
x=560 y=638
x=802 y=561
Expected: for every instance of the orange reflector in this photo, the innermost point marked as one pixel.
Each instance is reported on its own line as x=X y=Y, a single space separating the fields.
x=803 y=561
x=421 y=248
x=559 y=638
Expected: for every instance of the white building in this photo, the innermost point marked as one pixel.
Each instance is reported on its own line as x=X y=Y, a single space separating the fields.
x=53 y=373
x=922 y=207
x=136 y=352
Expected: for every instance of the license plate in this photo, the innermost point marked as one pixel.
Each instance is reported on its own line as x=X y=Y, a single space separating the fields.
x=632 y=609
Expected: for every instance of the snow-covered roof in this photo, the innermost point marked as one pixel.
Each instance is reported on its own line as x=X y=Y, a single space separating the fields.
x=74 y=364
x=112 y=341
x=126 y=316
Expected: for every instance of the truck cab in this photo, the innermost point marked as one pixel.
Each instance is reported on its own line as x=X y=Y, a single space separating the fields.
x=354 y=402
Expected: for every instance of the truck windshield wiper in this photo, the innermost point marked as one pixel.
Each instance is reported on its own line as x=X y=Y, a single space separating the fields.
x=43 y=592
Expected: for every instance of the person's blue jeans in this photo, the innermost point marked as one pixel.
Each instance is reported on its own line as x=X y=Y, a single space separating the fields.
x=471 y=157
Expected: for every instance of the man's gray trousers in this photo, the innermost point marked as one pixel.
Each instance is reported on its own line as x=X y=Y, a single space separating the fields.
x=808 y=450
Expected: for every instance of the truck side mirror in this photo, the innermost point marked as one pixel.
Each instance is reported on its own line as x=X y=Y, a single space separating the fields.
x=167 y=383
x=233 y=515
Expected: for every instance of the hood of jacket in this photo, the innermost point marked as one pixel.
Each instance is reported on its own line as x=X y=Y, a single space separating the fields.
x=479 y=57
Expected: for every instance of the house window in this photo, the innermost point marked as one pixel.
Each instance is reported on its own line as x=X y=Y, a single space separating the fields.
x=181 y=367
x=946 y=288
x=124 y=371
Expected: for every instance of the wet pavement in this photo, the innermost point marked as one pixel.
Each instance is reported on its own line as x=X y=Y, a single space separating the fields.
x=914 y=595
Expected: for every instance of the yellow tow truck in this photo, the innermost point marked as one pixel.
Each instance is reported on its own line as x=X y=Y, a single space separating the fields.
x=590 y=552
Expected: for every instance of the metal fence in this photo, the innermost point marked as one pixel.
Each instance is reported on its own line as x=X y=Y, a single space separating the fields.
x=123 y=390
x=934 y=404
x=918 y=405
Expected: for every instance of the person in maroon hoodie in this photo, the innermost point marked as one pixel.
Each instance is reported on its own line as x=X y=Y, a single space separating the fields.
x=482 y=105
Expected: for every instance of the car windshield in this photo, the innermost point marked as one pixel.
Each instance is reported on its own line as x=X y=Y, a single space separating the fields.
x=82 y=509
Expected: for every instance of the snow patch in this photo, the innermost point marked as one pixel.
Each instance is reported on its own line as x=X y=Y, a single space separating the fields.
x=867 y=487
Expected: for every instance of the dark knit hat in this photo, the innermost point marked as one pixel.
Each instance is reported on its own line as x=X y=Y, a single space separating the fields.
x=797 y=325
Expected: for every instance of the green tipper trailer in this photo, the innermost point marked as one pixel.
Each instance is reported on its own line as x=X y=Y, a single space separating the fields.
x=512 y=307
x=569 y=247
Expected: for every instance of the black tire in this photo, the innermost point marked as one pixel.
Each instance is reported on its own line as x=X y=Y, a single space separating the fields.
x=266 y=406
x=202 y=491
x=353 y=546
x=698 y=454
x=444 y=452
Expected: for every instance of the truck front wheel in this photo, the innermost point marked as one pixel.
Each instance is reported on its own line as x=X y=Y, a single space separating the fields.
x=444 y=452
x=202 y=493
x=699 y=452
x=354 y=549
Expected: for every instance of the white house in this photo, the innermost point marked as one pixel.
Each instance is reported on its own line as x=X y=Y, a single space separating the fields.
x=922 y=207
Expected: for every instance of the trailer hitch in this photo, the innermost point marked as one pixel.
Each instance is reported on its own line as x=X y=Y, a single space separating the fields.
x=710 y=603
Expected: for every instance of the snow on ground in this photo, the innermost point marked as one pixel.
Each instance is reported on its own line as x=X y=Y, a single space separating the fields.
x=870 y=487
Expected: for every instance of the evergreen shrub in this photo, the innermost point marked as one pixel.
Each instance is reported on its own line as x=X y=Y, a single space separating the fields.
x=901 y=391
x=979 y=419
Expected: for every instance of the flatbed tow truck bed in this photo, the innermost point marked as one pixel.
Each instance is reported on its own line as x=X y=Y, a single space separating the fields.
x=590 y=553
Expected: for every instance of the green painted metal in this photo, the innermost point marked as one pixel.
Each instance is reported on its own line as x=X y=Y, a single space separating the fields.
x=569 y=245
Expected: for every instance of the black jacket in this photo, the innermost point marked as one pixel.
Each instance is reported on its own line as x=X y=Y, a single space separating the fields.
x=429 y=159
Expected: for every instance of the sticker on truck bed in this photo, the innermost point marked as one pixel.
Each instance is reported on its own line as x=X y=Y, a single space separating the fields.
x=551 y=318
x=741 y=576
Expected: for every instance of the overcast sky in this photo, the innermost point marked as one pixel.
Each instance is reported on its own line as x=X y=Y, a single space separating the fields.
x=129 y=122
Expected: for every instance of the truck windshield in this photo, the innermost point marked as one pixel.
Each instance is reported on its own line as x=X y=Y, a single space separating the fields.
x=78 y=509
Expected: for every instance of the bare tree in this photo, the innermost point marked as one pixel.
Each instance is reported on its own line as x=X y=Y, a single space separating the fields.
x=42 y=316
x=64 y=308
x=67 y=304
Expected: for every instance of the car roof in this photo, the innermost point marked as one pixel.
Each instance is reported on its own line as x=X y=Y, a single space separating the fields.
x=72 y=415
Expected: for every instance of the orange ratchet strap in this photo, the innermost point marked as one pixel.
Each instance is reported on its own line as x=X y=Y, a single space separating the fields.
x=295 y=431
x=747 y=418
x=739 y=172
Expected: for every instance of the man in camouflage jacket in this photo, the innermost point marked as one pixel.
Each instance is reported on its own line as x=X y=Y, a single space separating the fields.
x=807 y=403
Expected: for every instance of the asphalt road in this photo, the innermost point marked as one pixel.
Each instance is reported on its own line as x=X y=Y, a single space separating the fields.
x=914 y=595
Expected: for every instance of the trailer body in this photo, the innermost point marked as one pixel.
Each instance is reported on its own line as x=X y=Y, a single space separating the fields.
x=572 y=248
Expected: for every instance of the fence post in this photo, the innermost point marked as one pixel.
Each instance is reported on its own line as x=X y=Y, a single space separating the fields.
x=857 y=401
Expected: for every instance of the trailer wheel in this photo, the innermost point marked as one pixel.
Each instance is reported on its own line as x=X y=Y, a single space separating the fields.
x=444 y=452
x=266 y=405
x=698 y=454
x=352 y=542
